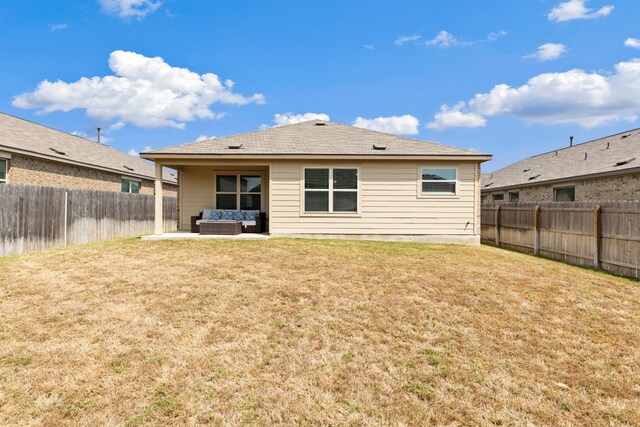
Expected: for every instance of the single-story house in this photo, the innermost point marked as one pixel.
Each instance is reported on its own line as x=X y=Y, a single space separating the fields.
x=33 y=154
x=324 y=179
x=603 y=169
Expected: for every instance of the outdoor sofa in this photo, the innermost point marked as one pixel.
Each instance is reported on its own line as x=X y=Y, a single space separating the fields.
x=252 y=221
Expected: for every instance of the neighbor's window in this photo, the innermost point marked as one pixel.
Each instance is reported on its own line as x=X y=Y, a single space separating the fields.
x=564 y=194
x=330 y=190
x=484 y=198
x=497 y=197
x=4 y=167
x=130 y=186
x=514 y=196
x=438 y=181
x=238 y=192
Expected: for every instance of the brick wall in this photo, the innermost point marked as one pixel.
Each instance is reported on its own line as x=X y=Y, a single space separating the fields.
x=32 y=171
x=610 y=188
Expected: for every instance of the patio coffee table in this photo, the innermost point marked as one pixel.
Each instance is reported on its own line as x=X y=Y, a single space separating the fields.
x=220 y=227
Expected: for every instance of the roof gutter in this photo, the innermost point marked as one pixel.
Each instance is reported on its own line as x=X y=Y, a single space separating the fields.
x=77 y=163
x=236 y=156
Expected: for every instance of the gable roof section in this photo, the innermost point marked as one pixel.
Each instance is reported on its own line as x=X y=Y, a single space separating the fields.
x=313 y=138
x=31 y=139
x=613 y=154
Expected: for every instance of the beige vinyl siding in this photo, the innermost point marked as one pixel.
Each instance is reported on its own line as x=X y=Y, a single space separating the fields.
x=389 y=201
x=197 y=187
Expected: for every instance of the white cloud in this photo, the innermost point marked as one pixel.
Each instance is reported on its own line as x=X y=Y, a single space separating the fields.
x=548 y=52
x=289 y=118
x=398 y=125
x=406 y=39
x=631 y=42
x=146 y=92
x=577 y=9
x=453 y=117
x=135 y=153
x=129 y=8
x=204 y=137
x=368 y=46
x=58 y=27
x=575 y=96
x=444 y=39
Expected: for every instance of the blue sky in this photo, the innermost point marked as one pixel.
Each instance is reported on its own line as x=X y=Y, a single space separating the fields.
x=512 y=78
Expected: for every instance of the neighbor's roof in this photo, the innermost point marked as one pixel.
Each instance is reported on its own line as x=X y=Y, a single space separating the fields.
x=619 y=153
x=31 y=139
x=314 y=138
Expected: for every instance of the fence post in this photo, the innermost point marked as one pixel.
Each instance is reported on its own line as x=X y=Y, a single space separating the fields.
x=66 y=216
x=497 y=221
x=536 y=230
x=596 y=236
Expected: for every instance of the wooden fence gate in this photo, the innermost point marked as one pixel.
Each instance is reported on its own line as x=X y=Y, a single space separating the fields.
x=36 y=218
x=604 y=235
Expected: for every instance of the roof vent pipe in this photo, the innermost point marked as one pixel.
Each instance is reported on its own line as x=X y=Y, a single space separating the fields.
x=570 y=141
x=585 y=156
x=98 y=135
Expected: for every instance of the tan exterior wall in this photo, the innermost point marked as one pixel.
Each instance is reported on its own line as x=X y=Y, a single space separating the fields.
x=389 y=199
x=390 y=203
x=609 y=188
x=32 y=171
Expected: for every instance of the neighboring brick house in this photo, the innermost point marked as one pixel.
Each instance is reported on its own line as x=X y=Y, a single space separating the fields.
x=33 y=154
x=603 y=169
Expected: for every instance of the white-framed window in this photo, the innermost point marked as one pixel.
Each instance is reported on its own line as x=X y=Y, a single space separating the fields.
x=130 y=185
x=438 y=181
x=484 y=198
x=514 y=196
x=238 y=191
x=498 y=197
x=331 y=190
x=564 y=194
x=4 y=170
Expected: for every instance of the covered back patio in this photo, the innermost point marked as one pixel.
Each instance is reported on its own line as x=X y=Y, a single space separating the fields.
x=231 y=188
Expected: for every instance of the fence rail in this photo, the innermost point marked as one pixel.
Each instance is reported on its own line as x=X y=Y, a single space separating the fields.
x=36 y=218
x=604 y=235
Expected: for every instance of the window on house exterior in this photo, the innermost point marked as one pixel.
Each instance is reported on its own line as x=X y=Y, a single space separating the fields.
x=331 y=190
x=497 y=197
x=564 y=194
x=484 y=198
x=239 y=192
x=438 y=181
x=514 y=196
x=4 y=168
x=130 y=186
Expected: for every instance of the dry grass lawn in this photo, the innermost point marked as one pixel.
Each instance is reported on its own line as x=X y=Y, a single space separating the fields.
x=295 y=332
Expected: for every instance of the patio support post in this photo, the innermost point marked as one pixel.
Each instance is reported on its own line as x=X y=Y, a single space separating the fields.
x=159 y=221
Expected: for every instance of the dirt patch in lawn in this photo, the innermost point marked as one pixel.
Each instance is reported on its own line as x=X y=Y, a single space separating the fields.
x=313 y=332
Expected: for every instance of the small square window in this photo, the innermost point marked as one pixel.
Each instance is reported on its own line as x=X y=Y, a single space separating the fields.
x=438 y=181
x=564 y=194
x=4 y=168
x=514 y=196
x=130 y=186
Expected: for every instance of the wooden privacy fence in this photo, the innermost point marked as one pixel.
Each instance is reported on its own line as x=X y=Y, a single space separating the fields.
x=604 y=235
x=36 y=218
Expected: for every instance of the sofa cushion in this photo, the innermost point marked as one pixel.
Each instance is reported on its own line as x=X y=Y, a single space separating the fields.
x=215 y=215
x=250 y=215
x=229 y=215
x=206 y=213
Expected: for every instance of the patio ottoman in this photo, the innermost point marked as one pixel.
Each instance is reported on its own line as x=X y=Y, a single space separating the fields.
x=220 y=227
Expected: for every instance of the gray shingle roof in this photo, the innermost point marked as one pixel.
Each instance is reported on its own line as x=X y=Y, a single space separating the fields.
x=316 y=137
x=44 y=142
x=604 y=155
